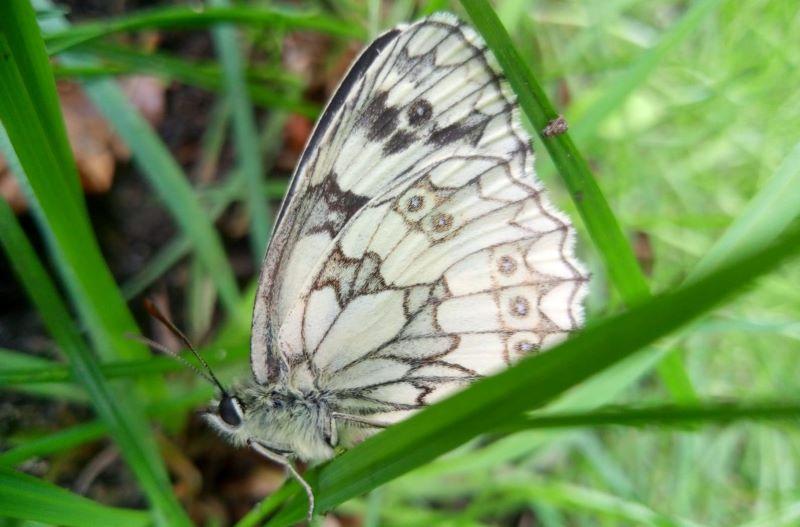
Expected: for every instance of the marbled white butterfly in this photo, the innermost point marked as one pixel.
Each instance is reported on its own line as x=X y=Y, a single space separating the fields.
x=415 y=251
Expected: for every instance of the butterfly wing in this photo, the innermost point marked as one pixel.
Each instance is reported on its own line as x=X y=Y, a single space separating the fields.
x=419 y=93
x=456 y=265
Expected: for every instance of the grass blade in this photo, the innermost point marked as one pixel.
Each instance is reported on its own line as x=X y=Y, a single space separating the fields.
x=670 y=415
x=84 y=433
x=618 y=90
x=498 y=400
x=190 y=17
x=604 y=230
x=18 y=26
x=55 y=442
x=163 y=173
x=169 y=181
x=116 y=405
x=597 y=215
x=14 y=362
x=245 y=135
x=203 y=75
x=27 y=498
x=767 y=214
x=49 y=182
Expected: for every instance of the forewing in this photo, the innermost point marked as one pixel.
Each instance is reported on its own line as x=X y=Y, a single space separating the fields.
x=419 y=94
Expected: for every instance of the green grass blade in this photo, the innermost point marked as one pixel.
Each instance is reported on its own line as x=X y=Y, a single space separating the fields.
x=116 y=405
x=61 y=214
x=180 y=246
x=767 y=214
x=245 y=134
x=601 y=224
x=27 y=498
x=163 y=173
x=498 y=400
x=31 y=375
x=14 y=362
x=18 y=25
x=661 y=415
x=597 y=215
x=55 y=442
x=180 y=17
x=203 y=75
x=77 y=435
x=169 y=181
x=22 y=369
x=619 y=89
x=574 y=498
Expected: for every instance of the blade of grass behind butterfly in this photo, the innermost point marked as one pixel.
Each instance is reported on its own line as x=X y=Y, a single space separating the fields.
x=121 y=413
x=616 y=91
x=33 y=149
x=203 y=75
x=18 y=26
x=531 y=383
x=21 y=369
x=28 y=498
x=245 y=135
x=162 y=171
x=600 y=221
x=169 y=181
x=191 y=17
x=766 y=215
x=14 y=361
x=165 y=411
x=220 y=198
x=53 y=442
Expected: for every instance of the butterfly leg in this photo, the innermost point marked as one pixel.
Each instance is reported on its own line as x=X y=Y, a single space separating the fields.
x=283 y=460
x=358 y=419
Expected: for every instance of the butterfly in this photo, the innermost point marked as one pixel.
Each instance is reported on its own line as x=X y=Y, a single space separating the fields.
x=415 y=252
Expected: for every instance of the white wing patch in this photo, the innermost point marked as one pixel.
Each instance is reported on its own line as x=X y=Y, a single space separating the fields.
x=418 y=251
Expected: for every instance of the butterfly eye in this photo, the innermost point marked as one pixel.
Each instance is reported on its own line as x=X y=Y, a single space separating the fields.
x=230 y=410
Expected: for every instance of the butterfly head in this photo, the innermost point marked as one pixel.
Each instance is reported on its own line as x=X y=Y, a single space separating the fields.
x=230 y=415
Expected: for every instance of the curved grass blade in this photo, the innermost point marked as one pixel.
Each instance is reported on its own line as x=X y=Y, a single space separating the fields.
x=18 y=26
x=27 y=498
x=14 y=362
x=116 y=405
x=600 y=221
x=164 y=174
x=662 y=415
x=204 y=75
x=169 y=181
x=617 y=91
x=50 y=183
x=87 y=432
x=495 y=401
x=180 y=17
x=55 y=442
x=245 y=134
x=766 y=215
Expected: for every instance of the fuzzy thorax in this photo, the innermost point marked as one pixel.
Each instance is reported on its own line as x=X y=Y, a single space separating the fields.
x=286 y=422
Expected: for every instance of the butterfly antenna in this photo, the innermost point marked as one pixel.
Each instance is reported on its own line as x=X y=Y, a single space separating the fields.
x=207 y=372
x=172 y=354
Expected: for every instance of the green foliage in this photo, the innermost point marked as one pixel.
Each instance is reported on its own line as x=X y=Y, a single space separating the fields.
x=29 y=498
x=682 y=160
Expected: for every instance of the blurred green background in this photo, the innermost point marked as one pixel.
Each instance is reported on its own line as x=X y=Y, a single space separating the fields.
x=684 y=110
